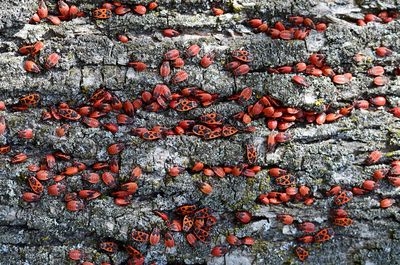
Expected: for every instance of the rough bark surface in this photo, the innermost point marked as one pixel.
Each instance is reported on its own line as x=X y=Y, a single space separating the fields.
x=319 y=156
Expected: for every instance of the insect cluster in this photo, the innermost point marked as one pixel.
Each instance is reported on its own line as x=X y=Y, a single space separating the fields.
x=64 y=13
x=117 y=8
x=32 y=51
x=382 y=17
x=339 y=216
x=108 y=9
x=92 y=177
x=297 y=28
x=317 y=68
x=196 y=223
x=239 y=65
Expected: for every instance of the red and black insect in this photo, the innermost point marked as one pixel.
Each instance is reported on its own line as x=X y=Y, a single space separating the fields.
x=285 y=180
x=213 y=134
x=251 y=154
x=203 y=213
x=151 y=135
x=169 y=240
x=211 y=119
x=133 y=251
x=228 y=130
x=29 y=100
x=219 y=251
x=186 y=209
x=102 y=13
x=324 y=235
x=201 y=234
x=188 y=222
x=191 y=239
x=140 y=236
x=210 y=221
x=110 y=247
x=342 y=221
x=301 y=253
x=69 y=114
x=192 y=51
x=242 y=55
x=35 y=185
x=201 y=130
x=343 y=198
x=175 y=226
x=5 y=149
x=184 y=104
x=245 y=95
x=154 y=237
